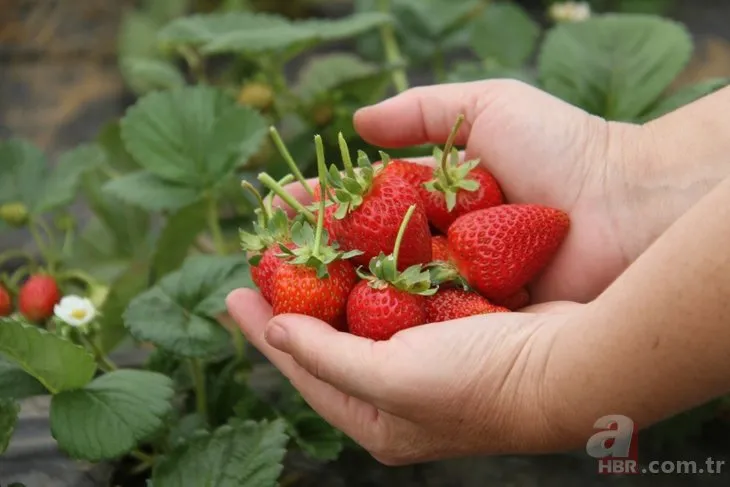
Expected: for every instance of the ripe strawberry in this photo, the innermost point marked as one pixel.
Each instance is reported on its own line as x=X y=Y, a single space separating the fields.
x=500 y=249
x=38 y=296
x=457 y=189
x=440 y=248
x=6 y=302
x=263 y=272
x=371 y=205
x=316 y=279
x=518 y=300
x=415 y=174
x=388 y=301
x=452 y=304
x=329 y=215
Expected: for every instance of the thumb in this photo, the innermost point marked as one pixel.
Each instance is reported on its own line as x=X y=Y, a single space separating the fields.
x=351 y=364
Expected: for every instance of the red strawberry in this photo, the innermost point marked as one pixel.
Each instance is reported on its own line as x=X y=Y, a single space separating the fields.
x=518 y=300
x=263 y=272
x=38 y=296
x=500 y=249
x=452 y=304
x=457 y=189
x=440 y=248
x=316 y=279
x=6 y=302
x=415 y=174
x=388 y=301
x=371 y=206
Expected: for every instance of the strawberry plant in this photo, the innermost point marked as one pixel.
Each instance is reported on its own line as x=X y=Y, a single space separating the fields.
x=228 y=101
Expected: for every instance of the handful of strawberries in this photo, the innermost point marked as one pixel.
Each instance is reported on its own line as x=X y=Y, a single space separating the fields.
x=398 y=244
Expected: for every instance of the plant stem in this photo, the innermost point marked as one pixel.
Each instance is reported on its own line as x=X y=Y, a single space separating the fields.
x=321 y=171
x=41 y=244
x=196 y=63
x=201 y=400
x=269 y=198
x=142 y=457
x=13 y=254
x=239 y=344
x=401 y=233
x=78 y=275
x=289 y=160
x=276 y=188
x=439 y=66
x=345 y=151
x=214 y=226
x=446 y=155
x=104 y=363
x=264 y=211
x=392 y=51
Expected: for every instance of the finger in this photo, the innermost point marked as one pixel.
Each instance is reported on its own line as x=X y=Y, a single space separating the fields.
x=350 y=363
x=354 y=417
x=421 y=115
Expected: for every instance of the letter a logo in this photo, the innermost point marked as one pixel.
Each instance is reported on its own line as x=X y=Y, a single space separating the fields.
x=615 y=440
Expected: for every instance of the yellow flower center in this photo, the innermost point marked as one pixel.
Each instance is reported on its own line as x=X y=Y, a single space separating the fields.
x=79 y=314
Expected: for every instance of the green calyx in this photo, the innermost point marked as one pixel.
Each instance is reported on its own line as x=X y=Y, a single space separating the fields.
x=310 y=247
x=384 y=269
x=450 y=177
x=271 y=227
x=444 y=272
x=351 y=188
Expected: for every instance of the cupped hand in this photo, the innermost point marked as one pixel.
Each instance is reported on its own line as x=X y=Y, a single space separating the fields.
x=471 y=386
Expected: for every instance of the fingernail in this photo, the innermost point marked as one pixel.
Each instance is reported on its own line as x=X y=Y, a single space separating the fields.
x=277 y=336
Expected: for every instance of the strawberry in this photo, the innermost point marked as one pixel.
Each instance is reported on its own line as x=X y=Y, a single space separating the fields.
x=440 y=248
x=518 y=300
x=387 y=300
x=316 y=278
x=6 y=302
x=329 y=214
x=38 y=296
x=452 y=304
x=500 y=249
x=457 y=189
x=415 y=174
x=370 y=207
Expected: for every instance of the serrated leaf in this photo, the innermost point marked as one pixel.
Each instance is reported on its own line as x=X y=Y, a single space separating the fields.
x=328 y=72
x=148 y=74
x=9 y=411
x=504 y=33
x=57 y=363
x=111 y=415
x=200 y=29
x=147 y=191
x=192 y=136
x=22 y=171
x=179 y=234
x=15 y=383
x=179 y=313
x=614 y=65
x=684 y=96
x=240 y=454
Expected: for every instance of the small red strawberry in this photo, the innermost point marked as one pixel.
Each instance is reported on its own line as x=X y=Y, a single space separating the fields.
x=6 y=302
x=38 y=296
x=316 y=278
x=452 y=304
x=518 y=300
x=415 y=174
x=370 y=208
x=388 y=301
x=499 y=250
x=440 y=248
x=457 y=189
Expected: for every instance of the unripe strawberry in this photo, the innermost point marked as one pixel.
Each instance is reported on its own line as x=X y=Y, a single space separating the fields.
x=37 y=297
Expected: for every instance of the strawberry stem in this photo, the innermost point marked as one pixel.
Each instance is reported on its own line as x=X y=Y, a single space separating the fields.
x=289 y=160
x=276 y=188
x=269 y=198
x=401 y=233
x=345 y=151
x=321 y=172
x=264 y=211
x=446 y=155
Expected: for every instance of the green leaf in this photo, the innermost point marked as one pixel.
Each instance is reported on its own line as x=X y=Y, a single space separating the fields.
x=111 y=415
x=239 y=454
x=179 y=234
x=179 y=313
x=326 y=73
x=147 y=191
x=505 y=33
x=22 y=171
x=434 y=19
x=148 y=74
x=57 y=363
x=117 y=156
x=15 y=383
x=684 y=96
x=614 y=65
x=61 y=187
x=200 y=29
x=193 y=136
x=9 y=411
x=137 y=36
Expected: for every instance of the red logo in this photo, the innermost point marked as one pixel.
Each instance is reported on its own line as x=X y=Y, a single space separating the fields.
x=615 y=446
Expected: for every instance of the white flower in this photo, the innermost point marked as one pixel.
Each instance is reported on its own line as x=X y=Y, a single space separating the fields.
x=570 y=11
x=75 y=311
